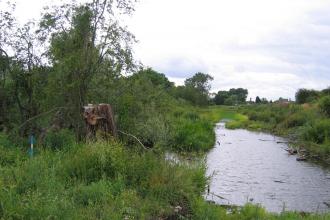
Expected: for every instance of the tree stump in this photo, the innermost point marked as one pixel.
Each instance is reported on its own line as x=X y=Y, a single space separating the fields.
x=99 y=118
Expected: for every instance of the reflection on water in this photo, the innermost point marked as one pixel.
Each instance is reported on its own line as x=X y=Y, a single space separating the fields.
x=254 y=167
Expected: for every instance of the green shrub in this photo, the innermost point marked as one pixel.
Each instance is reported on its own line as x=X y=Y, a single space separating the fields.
x=4 y=141
x=9 y=156
x=306 y=95
x=317 y=132
x=325 y=105
x=194 y=135
x=93 y=162
x=59 y=140
x=295 y=120
x=97 y=192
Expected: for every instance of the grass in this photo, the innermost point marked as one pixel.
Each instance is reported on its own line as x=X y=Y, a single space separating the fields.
x=306 y=125
x=217 y=113
x=101 y=180
x=193 y=128
x=108 y=180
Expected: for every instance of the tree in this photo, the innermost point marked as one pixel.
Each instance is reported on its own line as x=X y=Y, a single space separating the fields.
x=231 y=97
x=200 y=81
x=87 y=45
x=6 y=26
x=306 y=95
x=196 y=89
x=21 y=80
x=221 y=97
x=157 y=79
x=240 y=94
x=258 y=100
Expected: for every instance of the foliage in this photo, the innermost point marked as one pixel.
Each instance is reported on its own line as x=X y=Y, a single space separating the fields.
x=108 y=181
x=200 y=81
x=4 y=141
x=258 y=100
x=60 y=139
x=97 y=181
x=325 y=105
x=193 y=133
x=196 y=89
x=303 y=124
x=78 y=53
x=60 y=57
x=318 y=131
x=306 y=95
x=231 y=97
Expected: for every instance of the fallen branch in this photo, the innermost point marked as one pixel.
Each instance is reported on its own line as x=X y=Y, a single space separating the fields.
x=264 y=140
x=220 y=197
x=134 y=138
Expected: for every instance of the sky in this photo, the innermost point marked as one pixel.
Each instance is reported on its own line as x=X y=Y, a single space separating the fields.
x=270 y=47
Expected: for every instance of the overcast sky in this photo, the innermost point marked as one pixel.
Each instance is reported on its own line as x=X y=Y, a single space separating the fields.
x=270 y=47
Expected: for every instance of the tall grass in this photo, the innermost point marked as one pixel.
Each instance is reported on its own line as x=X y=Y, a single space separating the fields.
x=106 y=180
x=307 y=125
x=101 y=180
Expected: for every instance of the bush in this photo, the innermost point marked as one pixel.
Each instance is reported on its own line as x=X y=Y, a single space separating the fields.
x=295 y=120
x=318 y=132
x=306 y=95
x=9 y=156
x=97 y=192
x=325 y=105
x=4 y=141
x=193 y=135
x=59 y=140
x=93 y=162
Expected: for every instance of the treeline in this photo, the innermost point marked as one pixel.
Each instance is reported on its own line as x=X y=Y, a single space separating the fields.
x=231 y=97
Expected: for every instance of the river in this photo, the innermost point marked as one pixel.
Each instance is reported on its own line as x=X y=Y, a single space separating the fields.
x=253 y=167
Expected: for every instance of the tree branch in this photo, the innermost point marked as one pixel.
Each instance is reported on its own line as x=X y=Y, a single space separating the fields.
x=37 y=116
x=134 y=138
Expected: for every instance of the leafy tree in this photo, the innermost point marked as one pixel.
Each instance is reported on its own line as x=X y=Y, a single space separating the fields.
x=6 y=26
x=221 y=97
x=200 y=81
x=196 y=89
x=87 y=45
x=306 y=95
x=157 y=79
x=231 y=100
x=231 y=97
x=240 y=94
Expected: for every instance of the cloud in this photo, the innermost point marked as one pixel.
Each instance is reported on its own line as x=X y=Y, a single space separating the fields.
x=270 y=47
x=179 y=67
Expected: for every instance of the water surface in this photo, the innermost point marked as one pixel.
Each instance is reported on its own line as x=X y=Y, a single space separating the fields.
x=253 y=167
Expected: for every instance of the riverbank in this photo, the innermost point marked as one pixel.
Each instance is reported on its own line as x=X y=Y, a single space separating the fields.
x=112 y=180
x=254 y=166
x=305 y=127
x=109 y=181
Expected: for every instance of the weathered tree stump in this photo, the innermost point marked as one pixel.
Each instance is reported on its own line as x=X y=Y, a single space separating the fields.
x=99 y=118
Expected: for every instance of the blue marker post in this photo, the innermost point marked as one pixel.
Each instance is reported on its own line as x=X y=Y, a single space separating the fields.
x=32 y=141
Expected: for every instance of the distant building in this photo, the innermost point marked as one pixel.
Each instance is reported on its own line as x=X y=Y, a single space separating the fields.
x=283 y=102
